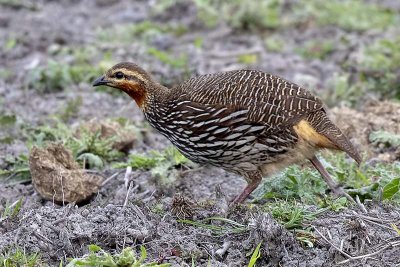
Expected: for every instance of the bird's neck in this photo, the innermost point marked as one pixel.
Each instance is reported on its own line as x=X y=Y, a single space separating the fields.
x=149 y=97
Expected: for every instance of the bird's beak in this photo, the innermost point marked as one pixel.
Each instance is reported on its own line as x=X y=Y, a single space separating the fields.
x=100 y=81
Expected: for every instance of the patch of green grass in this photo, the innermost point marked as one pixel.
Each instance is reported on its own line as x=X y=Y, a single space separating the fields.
x=378 y=67
x=180 y=62
x=254 y=15
x=316 y=49
x=341 y=89
x=18 y=257
x=6 y=73
x=19 y=4
x=162 y=164
x=307 y=186
x=376 y=73
x=198 y=42
x=248 y=59
x=127 y=258
x=58 y=75
x=71 y=109
x=11 y=210
x=387 y=138
x=294 y=216
x=138 y=32
x=88 y=147
x=290 y=214
x=239 y=14
x=16 y=170
x=274 y=44
x=7 y=122
x=348 y=14
x=10 y=44
x=304 y=184
x=366 y=181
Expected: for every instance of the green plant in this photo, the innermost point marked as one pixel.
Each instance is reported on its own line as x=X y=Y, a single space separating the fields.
x=138 y=32
x=307 y=186
x=180 y=62
x=11 y=210
x=348 y=14
x=378 y=66
x=59 y=75
x=340 y=89
x=255 y=256
x=127 y=258
x=290 y=213
x=88 y=147
x=18 y=257
x=275 y=44
x=20 y=4
x=240 y=14
x=70 y=109
x=162 y=164
x=384 y=137
x=254 y=15
x=294 y=216
x=248 y=59
x=16 y=170
x=7 y=122
x=316 y=49
x=294 y=183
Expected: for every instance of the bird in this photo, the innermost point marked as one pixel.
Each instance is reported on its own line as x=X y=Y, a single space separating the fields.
x=247 y=122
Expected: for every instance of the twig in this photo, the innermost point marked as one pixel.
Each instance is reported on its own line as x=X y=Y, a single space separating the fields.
x=182 y=173
x=127 y=195
x=360 y=205
x=111 y=177
x=127 y=175
x=129 y=192
x=40 y=236
x=330 y=243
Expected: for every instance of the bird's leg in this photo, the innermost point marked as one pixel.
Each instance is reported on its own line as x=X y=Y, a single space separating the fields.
x=253 y=180
x=337 y=190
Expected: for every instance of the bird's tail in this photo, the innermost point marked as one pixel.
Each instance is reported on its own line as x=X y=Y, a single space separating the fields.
x=324 y=126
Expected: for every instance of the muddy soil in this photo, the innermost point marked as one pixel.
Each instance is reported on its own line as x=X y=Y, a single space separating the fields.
x=117 y=217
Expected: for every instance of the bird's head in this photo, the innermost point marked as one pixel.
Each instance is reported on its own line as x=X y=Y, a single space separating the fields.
x=129 y=78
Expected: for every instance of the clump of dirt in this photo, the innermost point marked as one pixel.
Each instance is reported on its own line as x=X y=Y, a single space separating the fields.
x=57 y=176
x=358 y=125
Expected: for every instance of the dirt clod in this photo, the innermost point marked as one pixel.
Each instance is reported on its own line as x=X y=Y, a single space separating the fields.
x=57 y=176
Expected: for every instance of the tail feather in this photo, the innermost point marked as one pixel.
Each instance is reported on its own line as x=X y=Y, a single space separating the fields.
x=324 y=126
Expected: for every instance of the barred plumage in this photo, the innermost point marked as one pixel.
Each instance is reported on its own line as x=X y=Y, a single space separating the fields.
x=248 y=122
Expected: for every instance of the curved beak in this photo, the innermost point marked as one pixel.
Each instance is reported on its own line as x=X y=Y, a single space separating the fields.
x=100 y=81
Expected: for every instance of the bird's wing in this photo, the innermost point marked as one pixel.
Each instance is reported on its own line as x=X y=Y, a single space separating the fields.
x=264 y=98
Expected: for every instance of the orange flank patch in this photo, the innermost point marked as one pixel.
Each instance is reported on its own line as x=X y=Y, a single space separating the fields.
x=135 y=91
x=305 y=131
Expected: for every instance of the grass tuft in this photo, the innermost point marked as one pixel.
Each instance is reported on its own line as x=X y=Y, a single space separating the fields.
x=18 y=257
x=127 y=258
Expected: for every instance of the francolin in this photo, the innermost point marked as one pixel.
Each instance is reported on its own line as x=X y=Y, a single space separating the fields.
x=247 y=122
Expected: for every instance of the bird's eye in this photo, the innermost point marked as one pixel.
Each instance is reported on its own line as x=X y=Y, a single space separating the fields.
x=119 y=75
